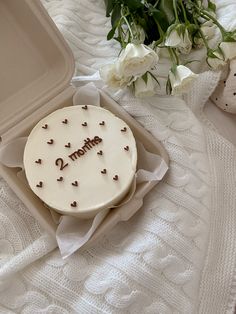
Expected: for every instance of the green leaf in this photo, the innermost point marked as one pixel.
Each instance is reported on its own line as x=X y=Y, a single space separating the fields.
x=160 y=18
x=212 y=6
x=153 y=76
x=167 y=7
x=133 y=4
x=109 y=7
x=145 y=77
x=116 y=15
x=111 y=34
x=168 y=87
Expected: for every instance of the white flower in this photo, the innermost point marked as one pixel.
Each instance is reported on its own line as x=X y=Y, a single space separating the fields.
x=229 y=49
x=208 y=30
x=215 y=60
x=145 y=87
x=111 y=75
x=181 y=41
x=181 y=79
x=135 y=60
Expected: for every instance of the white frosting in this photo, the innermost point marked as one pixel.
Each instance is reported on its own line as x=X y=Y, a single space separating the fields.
x=94 y=190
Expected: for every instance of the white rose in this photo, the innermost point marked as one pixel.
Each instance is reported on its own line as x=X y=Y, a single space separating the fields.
x=229 y=49
x=145 y=89
x=181 y=79
x=208 y=31
x=181 y=41
x=111 y=75
x=135 y=60
x=216 y=60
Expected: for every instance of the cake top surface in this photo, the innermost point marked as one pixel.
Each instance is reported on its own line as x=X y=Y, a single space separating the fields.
x=80 y=159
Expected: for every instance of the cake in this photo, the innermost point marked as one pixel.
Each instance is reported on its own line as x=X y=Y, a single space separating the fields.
x=80 y=159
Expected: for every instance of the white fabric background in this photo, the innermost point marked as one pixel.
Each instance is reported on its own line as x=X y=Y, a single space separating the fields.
x=177 y=255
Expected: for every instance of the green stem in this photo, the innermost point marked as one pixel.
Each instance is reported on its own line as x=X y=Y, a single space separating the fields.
x=121 y=37
x=210 y=17
x=160 y=30
x=173 y=56
x=123 y=16
x=176 y=56
x=204 y=39
x=156 y=3
x=184 y=12
x=201 y=34
x=127 y=23
x=176 y=12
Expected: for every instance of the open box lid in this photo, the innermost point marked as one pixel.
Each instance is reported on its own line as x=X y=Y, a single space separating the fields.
x=36 y=63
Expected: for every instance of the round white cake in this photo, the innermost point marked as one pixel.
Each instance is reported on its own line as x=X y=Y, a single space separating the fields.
x=80 y=160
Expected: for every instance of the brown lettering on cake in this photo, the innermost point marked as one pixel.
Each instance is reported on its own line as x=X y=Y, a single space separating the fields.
x=102 y=123
x=100 y=152
x=75 y=183
x=39 y=161
x=85 y=148
x=73 y=156
x=84 y=124
x=104 y=171
x=60 y=179
x=80 y=152
x=60 y=162
x=67 y=145
x=97 y=139
x=88 y=144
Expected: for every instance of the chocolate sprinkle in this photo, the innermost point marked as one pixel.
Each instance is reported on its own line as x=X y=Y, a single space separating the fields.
x=104 y=171
x=85 y=107
x=74 y=204
x=126 y=148
x=115 y=178
x=67 y=145
x=84 y=124
x=124 y=129
x=100 y=152
x=39 y=161
x=102 y=123
x=65 y=121
x=40 y=184
x=50 y=142
x=75 y=183
x=60 y=179
x=45 y=126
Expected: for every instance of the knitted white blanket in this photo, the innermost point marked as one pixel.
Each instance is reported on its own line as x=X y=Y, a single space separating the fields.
x=178 y=254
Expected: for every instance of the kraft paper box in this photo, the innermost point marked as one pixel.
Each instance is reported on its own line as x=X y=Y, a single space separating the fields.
x=37 y=67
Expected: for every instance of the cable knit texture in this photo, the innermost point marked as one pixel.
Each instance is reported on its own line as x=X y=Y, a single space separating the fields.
x=177 y=255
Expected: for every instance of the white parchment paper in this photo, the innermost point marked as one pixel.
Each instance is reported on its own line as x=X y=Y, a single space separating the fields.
x=72 y=233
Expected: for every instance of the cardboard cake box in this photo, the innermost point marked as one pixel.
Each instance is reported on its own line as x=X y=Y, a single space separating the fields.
x=36 y=71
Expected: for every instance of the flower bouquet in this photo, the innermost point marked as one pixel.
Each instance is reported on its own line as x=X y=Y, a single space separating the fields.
x=146 y=29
